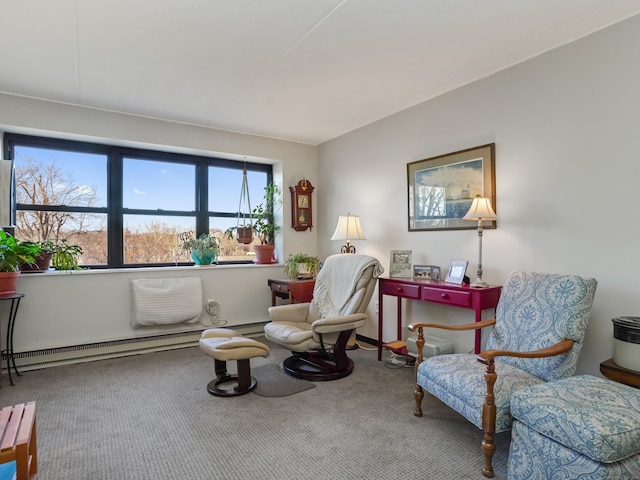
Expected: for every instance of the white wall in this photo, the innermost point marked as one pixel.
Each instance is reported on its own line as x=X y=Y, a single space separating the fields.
x=69 y=309
x=565 y=125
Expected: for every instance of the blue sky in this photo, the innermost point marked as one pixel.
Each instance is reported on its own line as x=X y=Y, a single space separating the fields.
x=151 y=184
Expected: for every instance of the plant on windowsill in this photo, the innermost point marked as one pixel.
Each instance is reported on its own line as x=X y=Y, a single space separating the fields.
x=301 y=265
x=203 y=249
x=13 y=253
x=43 y=258
x=66 y=256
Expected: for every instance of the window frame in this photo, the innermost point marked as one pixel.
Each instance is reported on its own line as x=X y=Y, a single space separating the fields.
x=115 y=210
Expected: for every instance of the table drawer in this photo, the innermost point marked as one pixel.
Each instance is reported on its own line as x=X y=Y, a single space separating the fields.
x=401 y=290
x=279 y=287
x=448 y=297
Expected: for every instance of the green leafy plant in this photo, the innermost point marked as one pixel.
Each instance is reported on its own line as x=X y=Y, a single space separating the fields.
x=65 y=255
x=301 y=263
x=13 y=253
x=205 y=245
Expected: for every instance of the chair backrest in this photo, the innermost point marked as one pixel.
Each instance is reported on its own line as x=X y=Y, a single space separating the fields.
x=344 y=285
x=537 y=310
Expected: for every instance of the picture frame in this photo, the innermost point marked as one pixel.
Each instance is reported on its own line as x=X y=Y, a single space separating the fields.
x=435 y=273
x=426 y=272
x=422 y=271
x=456 y=272
x=400 y=263
x=440 y=189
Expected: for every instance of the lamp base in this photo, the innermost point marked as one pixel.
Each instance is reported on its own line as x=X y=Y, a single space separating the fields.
x=479 y=283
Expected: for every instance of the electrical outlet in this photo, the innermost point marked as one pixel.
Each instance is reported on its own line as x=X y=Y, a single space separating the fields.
x=212 y=307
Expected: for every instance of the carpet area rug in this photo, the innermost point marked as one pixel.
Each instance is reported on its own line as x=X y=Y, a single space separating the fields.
x=273 y=382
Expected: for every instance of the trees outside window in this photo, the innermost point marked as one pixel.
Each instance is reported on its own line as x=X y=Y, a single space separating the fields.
x=126 y=207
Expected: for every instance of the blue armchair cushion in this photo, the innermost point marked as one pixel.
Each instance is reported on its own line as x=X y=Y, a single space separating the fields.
x=593 y=416
x=537 y=310
x=458 y=380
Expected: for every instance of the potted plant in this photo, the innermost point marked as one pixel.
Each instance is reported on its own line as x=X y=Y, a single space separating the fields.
x=203 y=249
x=65 y=256
x=13 y=253
x=264 y=228
x=43 y=258
x=301 y=265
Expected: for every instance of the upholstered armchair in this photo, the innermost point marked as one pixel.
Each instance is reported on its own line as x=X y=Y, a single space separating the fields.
x=317 y=332
x=537 y=336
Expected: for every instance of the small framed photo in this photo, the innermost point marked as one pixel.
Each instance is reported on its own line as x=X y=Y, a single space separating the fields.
x=400 y=263
x=435 y=273
x=456 y=271
x=422 y=271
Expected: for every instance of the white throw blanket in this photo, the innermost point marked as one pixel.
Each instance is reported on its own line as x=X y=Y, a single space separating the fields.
x=337 y=281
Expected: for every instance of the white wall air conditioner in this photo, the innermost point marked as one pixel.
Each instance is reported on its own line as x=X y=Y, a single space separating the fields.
x=432 y=346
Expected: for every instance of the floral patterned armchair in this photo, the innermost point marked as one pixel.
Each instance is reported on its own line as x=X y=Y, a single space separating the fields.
x=537 y=335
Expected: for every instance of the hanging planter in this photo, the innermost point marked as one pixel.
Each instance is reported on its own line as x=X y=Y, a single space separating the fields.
x=244 y=231
x=244 y=234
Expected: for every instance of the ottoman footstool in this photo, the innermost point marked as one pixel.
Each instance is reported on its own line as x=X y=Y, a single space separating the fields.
x=223 y=345
x=582 y=427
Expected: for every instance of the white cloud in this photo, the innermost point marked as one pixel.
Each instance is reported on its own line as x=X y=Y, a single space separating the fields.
x=139 y=192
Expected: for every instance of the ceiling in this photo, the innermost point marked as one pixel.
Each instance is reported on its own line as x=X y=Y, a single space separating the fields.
x=301 y=70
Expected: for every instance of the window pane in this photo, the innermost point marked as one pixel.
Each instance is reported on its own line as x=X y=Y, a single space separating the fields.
x=154 y=239
x=57 y=177
x=158 y=185
x=88 y=230
x=225 y=185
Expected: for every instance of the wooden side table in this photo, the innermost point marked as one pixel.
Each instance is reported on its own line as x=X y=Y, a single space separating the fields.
x=293 y=290
x=620 y=374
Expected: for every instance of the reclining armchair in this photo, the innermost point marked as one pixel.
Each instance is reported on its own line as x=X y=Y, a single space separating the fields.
x=540 y=323
x=317 y=332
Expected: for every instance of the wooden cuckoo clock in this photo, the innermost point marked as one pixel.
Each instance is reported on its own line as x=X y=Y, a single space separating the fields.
x=301 y=211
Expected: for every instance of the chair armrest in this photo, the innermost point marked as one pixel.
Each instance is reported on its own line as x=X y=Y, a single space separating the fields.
x=338 y=324
x=293 y=312
x=562 y=346
x=467 y=326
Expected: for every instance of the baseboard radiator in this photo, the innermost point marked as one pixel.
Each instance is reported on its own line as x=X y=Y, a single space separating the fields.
x=52 y=357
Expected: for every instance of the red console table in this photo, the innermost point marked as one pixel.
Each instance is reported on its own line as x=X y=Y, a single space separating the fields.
x=462 y=296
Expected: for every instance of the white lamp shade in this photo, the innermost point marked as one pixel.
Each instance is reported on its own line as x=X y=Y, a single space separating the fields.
x=481 y=210
x=348 y=228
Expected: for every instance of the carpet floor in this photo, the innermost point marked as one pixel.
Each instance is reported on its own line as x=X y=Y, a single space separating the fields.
x=150 y=417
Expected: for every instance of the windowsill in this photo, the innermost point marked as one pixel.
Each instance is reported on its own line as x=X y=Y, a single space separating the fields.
x=189 y=268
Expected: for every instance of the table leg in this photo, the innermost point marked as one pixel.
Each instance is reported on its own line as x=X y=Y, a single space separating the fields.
x=379 y=324
x=11 y=361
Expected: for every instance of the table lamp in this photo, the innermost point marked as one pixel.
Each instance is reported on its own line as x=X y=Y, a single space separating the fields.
x=480 y=210
x=348 y=229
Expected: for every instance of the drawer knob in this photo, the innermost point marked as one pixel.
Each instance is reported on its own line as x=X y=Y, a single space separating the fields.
x=444 y=295
x=399 y=289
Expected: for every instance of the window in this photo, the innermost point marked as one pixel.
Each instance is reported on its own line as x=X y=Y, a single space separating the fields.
x=124 y=206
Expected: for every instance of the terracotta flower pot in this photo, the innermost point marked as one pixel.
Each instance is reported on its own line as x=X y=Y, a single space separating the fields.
x=8 y=282
x=244 y=235
x=264 y=253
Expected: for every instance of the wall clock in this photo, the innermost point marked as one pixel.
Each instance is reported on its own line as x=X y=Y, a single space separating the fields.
x=301 y=209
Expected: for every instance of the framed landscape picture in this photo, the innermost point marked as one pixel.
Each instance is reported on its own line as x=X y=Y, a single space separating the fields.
x=441 y=189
